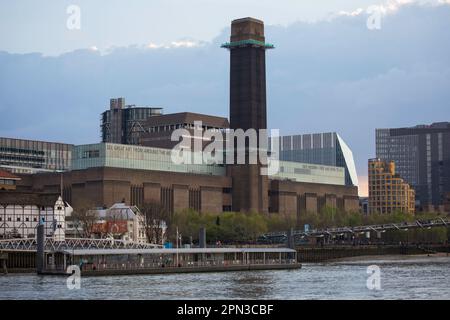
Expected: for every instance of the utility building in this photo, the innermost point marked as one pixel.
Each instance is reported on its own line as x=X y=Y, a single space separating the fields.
x=125 y=123
x=107 y=173
x=248 y=108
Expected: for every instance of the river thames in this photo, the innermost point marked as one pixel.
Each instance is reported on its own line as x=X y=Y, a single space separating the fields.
x=410 y=277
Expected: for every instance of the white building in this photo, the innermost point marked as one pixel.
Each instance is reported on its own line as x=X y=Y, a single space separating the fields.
x=128 y=219
x=120 y=221
x=135 y=221
x=21 y=221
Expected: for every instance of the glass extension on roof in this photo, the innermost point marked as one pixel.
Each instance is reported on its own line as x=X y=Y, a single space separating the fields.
x=247 y=42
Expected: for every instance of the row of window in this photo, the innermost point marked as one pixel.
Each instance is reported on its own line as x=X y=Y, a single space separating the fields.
x=172 y=127
x=21 y=158
x=91 y=154
x=18 y=219
x=391 y=194
x=7 y=182
x=388 y=190
x=24 y=151
x=390 y=205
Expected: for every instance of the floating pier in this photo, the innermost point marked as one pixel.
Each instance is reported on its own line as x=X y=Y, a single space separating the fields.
x=94 y=262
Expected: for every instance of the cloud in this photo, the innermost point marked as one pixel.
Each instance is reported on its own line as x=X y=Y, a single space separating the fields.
x=177 y=44
x=389 y=7
x=357 y=12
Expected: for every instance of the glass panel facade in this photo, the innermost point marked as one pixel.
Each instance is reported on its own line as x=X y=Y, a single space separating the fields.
x=422 y=158
x=135 y=157
x=29 y=156
x=304 y=172
x=345 y=159
x=327 y=149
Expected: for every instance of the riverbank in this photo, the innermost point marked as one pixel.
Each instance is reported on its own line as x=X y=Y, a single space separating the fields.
x=327 y=253
x=416 y=258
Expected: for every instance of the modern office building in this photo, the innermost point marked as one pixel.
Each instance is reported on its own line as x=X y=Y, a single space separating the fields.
x=388 y=192
x=319 y=148
x=422 y=158
x=158 y=130
x=125 y=123
x=29 y=156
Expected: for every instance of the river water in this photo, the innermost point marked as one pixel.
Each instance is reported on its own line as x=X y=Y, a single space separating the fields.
x=401 y=277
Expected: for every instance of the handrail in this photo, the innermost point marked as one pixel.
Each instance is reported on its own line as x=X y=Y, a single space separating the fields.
x=73 y=243
x=189 y=264
x=358 y=229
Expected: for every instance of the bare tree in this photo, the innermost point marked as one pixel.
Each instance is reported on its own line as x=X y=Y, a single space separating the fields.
x=115 y=219
x=155 y=217
x=85 y=217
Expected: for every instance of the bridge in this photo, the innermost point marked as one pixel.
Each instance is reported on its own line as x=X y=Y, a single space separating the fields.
x=72 y=244
x=280 y=237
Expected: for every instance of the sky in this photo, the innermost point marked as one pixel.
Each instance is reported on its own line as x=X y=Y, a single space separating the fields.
x=40 y=26
x=328 y=72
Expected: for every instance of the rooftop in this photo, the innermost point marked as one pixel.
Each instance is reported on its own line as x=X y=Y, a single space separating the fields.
x=188 y=117
x=84 y=252
x=8 y=175
x=247 y=19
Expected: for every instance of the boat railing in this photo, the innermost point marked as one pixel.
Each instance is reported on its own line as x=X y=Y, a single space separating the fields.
x=183 y=264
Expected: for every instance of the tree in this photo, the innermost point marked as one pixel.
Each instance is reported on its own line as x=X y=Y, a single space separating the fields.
x=155 y=218
x=114 y=220
x=85 y=217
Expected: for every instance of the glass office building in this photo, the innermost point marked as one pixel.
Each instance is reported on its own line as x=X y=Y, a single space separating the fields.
x=422 y=157
x=327 y=149
x=29 y=156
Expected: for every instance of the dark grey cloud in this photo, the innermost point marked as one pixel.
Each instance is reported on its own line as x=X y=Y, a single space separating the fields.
x=327 y=76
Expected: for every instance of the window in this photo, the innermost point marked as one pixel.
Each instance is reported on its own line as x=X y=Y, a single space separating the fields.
x=91 y=154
